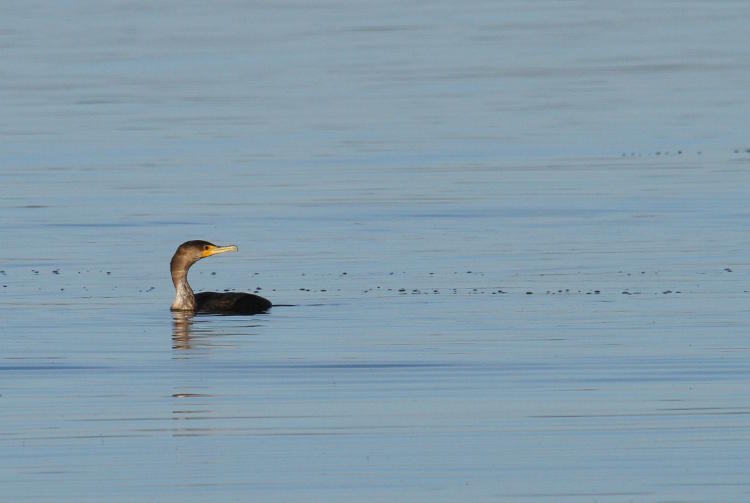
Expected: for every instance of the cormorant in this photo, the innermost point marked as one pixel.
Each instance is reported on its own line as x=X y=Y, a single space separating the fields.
x=187 y=254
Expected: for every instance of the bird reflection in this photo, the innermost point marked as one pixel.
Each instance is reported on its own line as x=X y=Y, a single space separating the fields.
x=189 y=400
x=201 y=333
x=181 y=329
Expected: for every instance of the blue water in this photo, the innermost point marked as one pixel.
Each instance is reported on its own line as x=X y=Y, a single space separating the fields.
x=513 y=237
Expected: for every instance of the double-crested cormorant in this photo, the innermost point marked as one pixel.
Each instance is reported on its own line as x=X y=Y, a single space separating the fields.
x=187 y=254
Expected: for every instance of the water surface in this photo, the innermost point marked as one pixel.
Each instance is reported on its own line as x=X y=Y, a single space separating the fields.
x=513 y=234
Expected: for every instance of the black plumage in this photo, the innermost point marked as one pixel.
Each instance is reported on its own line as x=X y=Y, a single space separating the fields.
x=230 y=303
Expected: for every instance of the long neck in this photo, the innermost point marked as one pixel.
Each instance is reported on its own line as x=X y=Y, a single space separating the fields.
x=185 y=299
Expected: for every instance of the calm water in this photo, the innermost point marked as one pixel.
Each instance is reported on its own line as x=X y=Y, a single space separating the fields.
x=514 y=234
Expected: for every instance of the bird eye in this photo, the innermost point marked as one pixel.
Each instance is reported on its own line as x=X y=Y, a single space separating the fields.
x=205 y=247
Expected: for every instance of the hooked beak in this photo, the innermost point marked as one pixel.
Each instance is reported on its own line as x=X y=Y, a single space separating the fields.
x=213 y=250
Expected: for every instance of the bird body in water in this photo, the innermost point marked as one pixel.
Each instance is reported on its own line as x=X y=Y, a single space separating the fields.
x=187 y=254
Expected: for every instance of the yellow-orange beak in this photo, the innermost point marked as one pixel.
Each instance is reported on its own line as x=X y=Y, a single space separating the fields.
x=213 y=250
